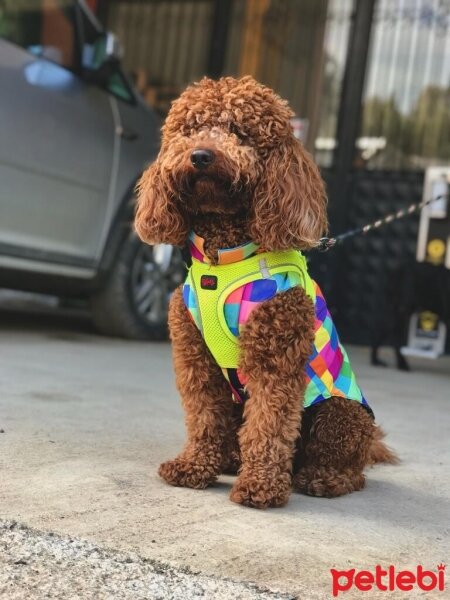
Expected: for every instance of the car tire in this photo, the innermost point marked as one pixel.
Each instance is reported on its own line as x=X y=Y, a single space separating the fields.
x=133 y=303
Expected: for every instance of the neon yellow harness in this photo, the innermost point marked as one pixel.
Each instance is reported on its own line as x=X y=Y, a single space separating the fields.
x=213 y=284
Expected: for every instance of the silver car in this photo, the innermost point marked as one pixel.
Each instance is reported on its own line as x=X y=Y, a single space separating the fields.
x=74 y=138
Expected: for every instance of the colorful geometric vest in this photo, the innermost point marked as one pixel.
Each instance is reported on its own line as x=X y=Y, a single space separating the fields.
x=221 y=297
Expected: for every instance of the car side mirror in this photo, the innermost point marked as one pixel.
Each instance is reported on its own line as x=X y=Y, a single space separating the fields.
x=101 y=65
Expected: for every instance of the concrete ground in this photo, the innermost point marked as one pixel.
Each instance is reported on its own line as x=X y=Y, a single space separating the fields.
x=85 y=422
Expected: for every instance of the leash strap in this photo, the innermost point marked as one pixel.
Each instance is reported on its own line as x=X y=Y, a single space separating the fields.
x=326 y=243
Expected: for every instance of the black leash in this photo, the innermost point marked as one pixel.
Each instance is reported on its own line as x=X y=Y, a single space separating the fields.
x=326 y=243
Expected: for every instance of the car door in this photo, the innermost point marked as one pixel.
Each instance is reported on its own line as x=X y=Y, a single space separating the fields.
x=56 y=141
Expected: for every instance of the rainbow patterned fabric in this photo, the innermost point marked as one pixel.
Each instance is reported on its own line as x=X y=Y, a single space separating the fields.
x=328 y=370
x=240 y=303
x=225 y=256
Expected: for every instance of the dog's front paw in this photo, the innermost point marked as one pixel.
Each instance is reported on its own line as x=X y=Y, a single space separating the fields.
x=184 y=473
x=261 y=491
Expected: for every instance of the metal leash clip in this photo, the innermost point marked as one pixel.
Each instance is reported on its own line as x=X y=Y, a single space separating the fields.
x=325 y=244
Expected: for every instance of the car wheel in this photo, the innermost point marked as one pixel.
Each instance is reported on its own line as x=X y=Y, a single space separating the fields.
x=135 y=299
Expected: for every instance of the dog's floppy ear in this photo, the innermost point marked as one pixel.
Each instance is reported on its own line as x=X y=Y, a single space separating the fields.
x=158 y=217
x=289 y=209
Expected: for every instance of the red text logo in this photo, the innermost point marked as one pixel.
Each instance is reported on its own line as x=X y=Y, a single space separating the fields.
x=388 y=580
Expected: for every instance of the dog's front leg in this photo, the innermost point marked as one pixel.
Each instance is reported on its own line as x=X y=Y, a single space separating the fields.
x=206 y=400
x=276 y=343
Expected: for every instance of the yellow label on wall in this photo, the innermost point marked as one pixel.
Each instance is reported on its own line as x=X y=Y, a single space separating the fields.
x=428 y=320
x=436 y=251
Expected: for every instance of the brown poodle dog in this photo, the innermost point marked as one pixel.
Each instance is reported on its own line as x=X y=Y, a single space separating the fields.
x=231 y=170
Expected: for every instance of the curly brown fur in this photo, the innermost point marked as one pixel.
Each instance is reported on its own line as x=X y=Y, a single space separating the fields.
x=379 y=452
x=206 y=402
x=262 y=186
x=221 y=231
x=275 y=346
x=338 y=440
x=334 y=448
x=232 y=452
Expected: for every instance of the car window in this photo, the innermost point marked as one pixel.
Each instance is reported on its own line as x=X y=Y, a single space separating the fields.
x=45 y=28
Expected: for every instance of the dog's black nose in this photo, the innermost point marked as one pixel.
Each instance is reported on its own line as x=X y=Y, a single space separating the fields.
x=202 y=158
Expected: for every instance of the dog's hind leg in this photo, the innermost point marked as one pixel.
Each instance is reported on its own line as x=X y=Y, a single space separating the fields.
x=206 y=399
x=334 y=447
x=275 y=345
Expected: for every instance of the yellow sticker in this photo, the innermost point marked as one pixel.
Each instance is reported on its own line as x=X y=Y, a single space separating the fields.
x=436 y=251
x=428 y=320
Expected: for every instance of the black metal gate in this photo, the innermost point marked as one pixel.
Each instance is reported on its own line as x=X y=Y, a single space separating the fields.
x=357 y=275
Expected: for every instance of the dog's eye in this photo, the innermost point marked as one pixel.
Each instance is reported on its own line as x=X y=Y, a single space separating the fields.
x=235 y=129
x=238 y=133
